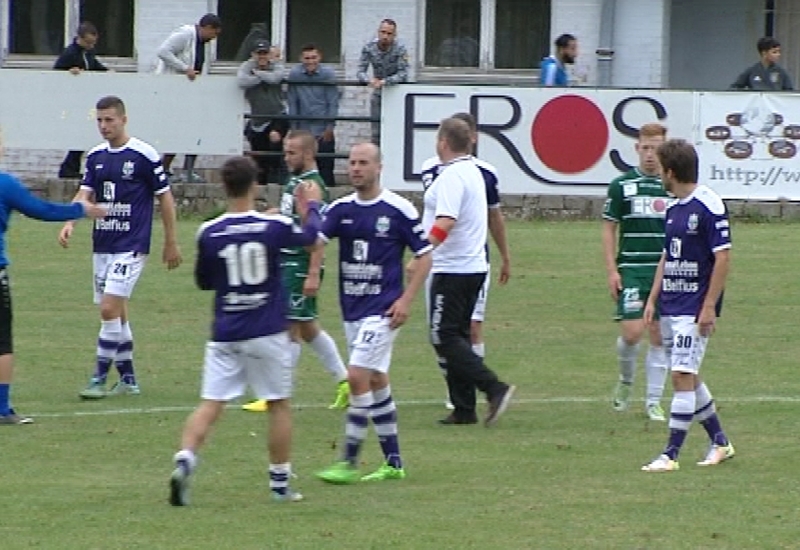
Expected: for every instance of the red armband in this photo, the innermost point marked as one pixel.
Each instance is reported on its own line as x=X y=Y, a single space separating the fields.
x=438 y=233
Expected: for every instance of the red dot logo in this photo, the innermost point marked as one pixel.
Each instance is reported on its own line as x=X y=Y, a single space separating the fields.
x=569 y=134
x=659 y=205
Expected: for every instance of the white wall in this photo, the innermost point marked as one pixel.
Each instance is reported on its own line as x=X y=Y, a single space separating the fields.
x=640 y=43
x=156 y=19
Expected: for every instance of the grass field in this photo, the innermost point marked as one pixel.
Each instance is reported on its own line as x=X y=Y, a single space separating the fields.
x=561 y=469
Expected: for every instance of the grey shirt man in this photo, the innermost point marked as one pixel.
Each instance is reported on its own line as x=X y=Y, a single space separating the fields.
x=763 y=79
x=390 y=65
x=262 y=88
x=313 y=100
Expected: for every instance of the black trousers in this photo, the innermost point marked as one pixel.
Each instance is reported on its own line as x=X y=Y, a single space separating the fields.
x=271 y=167
x=71 y=164
x=452 y=299
x=325 y=164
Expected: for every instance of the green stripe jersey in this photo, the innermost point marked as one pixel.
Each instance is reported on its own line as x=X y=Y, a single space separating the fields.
x=638 y=203
x=288 y=207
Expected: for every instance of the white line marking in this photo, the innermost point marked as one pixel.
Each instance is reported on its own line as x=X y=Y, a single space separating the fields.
x=402 y=403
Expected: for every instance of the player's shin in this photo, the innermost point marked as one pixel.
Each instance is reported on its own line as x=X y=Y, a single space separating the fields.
x=681 y=414
x=627 y=354
x=325 y=348
x=356 y=425
x=123 y=359
x=280 y=443
x=384 y=416
x=706 y=415
x=107 y=345
x=656 y=371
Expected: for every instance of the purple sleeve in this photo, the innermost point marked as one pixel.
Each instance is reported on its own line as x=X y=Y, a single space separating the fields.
x=414 y=236
x=201 y=268
x=330 y=224
x=718 y=231
x=307 y=234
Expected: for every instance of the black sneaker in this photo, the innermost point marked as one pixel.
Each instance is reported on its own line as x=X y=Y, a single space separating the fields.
x=452 y=420
x=179 y=486
x=498 y=405
x=12 y=419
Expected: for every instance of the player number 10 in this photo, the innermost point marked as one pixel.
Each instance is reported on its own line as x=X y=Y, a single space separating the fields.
x=246 y=263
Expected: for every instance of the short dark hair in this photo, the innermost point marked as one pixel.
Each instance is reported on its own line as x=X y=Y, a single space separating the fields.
x=87 y=27
x=388 y=21
x=455 y=132
x=469 y=119
x=110 y=102
x=307 y=140
x=564 y=40
x=309 y=46
x=767 y=43
x=211 y=20
x=679 y=156
x=238 y=175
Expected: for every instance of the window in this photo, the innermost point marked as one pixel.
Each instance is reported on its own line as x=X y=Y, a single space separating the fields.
x=45 y=27
x=303 y=19
x=37 y=27
x=486 y=34
x=452 y=33
x=243 y=23
x=522 y=33
x=114 y=22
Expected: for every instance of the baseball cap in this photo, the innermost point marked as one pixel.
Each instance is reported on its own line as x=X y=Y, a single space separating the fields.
x=261 y=46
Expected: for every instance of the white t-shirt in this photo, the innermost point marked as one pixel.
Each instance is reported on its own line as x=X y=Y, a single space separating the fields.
x=459 y=193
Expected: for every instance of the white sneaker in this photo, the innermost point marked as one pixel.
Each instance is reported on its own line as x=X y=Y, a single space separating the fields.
x=661 y=464
x=449 y=405
x=717 y=454
x=656 y=413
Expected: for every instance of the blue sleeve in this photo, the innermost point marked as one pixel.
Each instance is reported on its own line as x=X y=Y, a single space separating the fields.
x=492 y=191
x=548 y=73
x=330 y=224
x=201 y=271
x=414 y=235
x=21 y=199
x=307 y=234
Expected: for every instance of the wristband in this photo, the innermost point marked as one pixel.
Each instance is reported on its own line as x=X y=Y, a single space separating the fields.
x=438 y=233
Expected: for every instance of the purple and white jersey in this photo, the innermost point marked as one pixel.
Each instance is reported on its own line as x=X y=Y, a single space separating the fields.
x=238 y=256
x=696 y=227
x=125 y=180
x=372 y=238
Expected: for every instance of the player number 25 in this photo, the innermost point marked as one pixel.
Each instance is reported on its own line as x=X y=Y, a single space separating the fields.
x=246 y=263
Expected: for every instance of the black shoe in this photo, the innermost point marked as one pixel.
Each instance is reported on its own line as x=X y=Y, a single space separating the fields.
x=452 y=419
x=498 y=405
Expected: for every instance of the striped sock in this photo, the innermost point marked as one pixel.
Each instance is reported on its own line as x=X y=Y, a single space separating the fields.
x=124 y=357
x=706 y=415
x=384 y=417
x=680 y=419
x=357 y=423
x=107 y=344
x=279 y=477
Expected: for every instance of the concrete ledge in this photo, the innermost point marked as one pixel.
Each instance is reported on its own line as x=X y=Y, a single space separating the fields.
x=199 y=199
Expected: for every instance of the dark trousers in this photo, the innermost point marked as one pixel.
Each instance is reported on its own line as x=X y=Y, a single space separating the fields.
x=452 y=299
x=325 y=164
x=271 y=167
x=71 y=164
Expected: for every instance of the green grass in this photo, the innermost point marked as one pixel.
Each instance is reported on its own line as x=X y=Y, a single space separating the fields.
x=561 y=470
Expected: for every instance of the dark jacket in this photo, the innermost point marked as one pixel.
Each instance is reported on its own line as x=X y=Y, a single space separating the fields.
x=761 y=78
x=75 y=56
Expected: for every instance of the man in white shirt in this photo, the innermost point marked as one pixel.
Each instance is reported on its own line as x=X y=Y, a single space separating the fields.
x=456 y=220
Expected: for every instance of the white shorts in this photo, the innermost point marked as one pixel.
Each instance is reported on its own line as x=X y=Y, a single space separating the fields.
x=116 y=274
x=683 y=341
x=370 y=342
x=264 y=364
x=480 y=306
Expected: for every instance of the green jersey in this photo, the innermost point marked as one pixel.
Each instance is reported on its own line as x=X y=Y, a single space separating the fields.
x=289 y=208
x=638 y=203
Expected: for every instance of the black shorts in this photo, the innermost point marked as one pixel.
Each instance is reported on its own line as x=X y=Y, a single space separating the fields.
x=6 y=345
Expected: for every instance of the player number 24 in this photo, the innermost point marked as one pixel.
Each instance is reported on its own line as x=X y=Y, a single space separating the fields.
x=246 y=263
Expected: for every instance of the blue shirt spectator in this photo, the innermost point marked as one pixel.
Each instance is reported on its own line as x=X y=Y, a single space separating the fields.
x=553 y=68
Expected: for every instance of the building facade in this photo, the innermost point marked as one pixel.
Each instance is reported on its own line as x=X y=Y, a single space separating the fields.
x=655 y=43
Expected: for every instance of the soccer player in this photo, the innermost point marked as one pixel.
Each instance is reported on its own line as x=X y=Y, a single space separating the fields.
x=374 y=226
x=124 y=173
x=302 y=272
x=635 y=209
x=688 y=285
x=238 y=258
x=15 y=196
x=497 y=228
x=456 y=220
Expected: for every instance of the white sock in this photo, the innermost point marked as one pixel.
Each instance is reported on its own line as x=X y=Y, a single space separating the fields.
x=325 y=348
x=295 y=348
x=627 y=360
x=479 y=349
x=655 y=365
x=188 y=457
x=682 y=410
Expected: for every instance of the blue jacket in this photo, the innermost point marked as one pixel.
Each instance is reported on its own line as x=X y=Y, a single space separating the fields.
x=553 y=72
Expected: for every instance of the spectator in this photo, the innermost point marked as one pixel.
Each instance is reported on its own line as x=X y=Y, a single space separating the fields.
x=553 y=69
x=312 y=92
x=261 y=77
x=389 y=60
x=766 y=75
x=260 y=31
x=78 y=57
x=184 y=52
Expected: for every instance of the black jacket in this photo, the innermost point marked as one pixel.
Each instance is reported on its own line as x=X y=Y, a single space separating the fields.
x=75 y=56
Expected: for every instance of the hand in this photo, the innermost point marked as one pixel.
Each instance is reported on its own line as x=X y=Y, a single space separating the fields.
x=614 y=285
x=191 y=74
x=92 y=210
x=375 y=83
x=327 y=135
x=706 y=320
x=505 y=272
x=311 y=284
x=398 y=312
x=65 y=234
x=305 y=192
x=411 y=268
x=275 y=136
x=649 y=313
x=275 y=53
x=171 y=255
x=75 y=70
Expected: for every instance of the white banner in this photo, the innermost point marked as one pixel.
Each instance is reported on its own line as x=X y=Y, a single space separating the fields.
x=573 y=142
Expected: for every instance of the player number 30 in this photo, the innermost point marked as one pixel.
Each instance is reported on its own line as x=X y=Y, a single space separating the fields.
x=246 y=263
